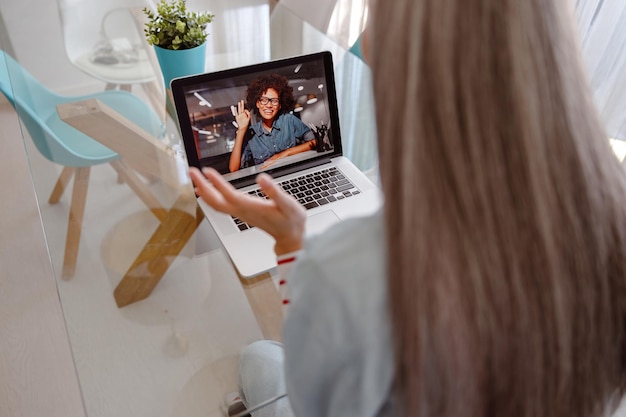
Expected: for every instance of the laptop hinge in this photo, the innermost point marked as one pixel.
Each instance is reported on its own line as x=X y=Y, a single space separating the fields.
x=279 y=172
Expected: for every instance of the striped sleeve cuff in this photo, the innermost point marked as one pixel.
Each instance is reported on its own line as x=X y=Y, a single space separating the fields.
x=285 y=263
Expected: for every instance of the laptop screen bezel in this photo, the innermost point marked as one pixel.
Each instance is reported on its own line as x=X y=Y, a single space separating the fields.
x=180 y=86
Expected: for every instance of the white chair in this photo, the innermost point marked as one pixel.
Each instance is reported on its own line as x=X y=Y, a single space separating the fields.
x=105 y=40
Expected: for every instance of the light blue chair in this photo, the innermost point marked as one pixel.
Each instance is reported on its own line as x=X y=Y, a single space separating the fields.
x=77 y=153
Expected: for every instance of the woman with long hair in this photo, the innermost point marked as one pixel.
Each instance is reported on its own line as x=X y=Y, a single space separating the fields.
x=507 y=247
x=502 y=271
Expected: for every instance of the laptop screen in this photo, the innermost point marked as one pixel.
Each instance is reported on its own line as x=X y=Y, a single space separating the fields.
x=274 y=116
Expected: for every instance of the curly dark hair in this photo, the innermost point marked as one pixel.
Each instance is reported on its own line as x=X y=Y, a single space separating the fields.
x=278 y=83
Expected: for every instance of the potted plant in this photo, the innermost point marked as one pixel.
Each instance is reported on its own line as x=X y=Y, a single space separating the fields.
x=178 y=36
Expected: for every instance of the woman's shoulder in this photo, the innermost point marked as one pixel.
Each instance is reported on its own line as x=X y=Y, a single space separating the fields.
x=288 y=118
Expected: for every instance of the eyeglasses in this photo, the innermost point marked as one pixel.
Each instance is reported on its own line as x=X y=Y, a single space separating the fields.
x=265 y=100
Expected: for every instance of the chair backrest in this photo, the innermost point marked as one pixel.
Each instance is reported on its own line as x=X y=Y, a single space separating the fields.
x=102 y=35
x=36 y=107
x=15 y=81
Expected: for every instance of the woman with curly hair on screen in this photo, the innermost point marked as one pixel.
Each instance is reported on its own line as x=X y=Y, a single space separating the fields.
x=278 y=134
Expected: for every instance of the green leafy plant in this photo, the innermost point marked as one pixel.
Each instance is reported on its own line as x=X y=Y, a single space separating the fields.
x=174 y=27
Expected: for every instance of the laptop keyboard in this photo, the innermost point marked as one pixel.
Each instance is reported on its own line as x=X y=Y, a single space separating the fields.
x=312 y=190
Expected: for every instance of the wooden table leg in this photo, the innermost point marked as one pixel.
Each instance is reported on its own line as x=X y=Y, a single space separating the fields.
x=141 y=189
x=266 y=304
x=163 y=247
x=160 y=251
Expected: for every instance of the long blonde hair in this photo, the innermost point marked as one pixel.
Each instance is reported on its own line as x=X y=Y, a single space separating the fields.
x=505 y=211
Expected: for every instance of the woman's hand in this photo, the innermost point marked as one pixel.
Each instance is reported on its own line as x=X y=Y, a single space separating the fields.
x=243 y=116
x=280 y=215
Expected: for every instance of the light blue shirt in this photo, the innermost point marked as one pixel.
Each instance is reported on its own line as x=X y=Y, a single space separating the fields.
x=337 y=333
x=287 y=131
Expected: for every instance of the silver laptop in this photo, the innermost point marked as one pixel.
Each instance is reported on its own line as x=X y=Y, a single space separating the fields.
x=320 y=178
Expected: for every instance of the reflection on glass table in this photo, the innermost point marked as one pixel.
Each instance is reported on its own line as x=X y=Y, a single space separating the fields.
x=175 y=352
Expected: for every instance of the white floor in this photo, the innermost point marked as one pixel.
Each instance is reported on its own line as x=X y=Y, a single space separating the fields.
x=37 y=374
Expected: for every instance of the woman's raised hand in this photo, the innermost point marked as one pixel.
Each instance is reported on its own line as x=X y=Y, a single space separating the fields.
x=280 y=215
x=243 y=116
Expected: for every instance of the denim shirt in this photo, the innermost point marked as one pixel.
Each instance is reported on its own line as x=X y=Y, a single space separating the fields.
x=287 y=131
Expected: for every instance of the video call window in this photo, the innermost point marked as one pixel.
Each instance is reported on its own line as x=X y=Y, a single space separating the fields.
x=212 y=108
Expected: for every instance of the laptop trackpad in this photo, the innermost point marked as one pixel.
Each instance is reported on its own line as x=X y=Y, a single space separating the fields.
x=318 y=223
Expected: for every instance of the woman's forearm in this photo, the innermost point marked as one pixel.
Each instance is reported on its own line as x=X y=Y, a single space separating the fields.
x=234 y=163
x=306 y=146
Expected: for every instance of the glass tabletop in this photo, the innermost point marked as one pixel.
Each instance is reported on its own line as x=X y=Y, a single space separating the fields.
x=155 y=312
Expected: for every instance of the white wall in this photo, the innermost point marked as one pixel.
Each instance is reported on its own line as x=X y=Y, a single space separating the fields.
x=34 y=30
x=240 y=33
